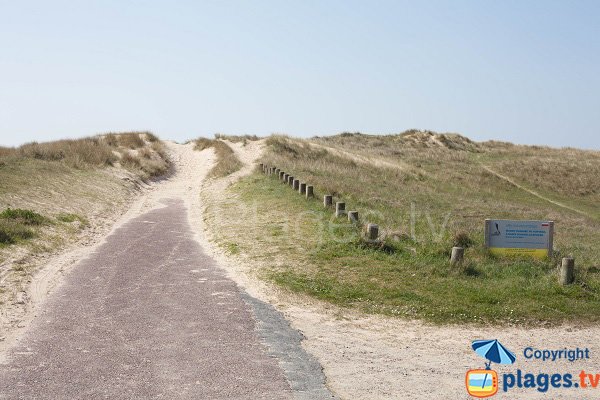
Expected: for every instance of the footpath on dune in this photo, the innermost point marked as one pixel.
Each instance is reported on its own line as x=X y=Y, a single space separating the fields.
x=147 y=313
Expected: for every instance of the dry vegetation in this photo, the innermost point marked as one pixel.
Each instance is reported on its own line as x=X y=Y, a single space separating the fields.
x=50 y=193
x=227 y=162
x=237 y=138
x=429 y=192
x=139 y=152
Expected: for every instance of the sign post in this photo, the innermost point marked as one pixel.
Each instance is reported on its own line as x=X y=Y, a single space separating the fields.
x=508 y=237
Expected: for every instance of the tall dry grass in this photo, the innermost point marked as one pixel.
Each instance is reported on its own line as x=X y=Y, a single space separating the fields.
x=140 y=152
x=227 y=162
x=77 y=153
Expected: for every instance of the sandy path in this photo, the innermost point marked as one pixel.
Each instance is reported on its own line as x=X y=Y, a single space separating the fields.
x=375 y=357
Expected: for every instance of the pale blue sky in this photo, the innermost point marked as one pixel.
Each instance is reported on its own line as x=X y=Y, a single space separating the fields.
x=521 y=71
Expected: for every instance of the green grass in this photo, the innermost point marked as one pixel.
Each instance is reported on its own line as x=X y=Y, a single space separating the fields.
x=427 y=192
x=70 y=218
x=17 y=225
x=328 y=259
x=12 y=232
x=25 y=217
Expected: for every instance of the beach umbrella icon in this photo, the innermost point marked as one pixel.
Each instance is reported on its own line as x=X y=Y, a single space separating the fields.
x=493 y=351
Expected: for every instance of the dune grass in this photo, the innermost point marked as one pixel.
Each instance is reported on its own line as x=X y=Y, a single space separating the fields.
x=227 y=162
x=139 y=152
x=427 y=192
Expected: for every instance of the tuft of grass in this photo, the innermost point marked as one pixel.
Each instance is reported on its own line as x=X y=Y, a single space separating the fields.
x=227 y=162
x=148 y=162
x=232 y=248
x=131 y=161
x=70 y=218
x=25 y=217
x=462 y=239
x=131 y=140
x=203 y=143
x=12 y=232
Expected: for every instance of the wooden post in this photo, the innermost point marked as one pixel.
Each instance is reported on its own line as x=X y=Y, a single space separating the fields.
x=296 y=184
x=567 y=271
x=353 y=216
x=372 y=232
x=302 y=188
x=458 y=254
x=262 y=166
x=328 y=200
x=340 y=208
x=281 y=174
x=285 y=178
x=291 y=180
x=310 y=191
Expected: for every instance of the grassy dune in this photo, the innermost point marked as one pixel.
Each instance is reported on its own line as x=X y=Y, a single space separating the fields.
x=52 y=193
x=429 y=192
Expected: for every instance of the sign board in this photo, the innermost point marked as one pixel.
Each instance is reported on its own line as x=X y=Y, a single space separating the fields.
x=506 y=237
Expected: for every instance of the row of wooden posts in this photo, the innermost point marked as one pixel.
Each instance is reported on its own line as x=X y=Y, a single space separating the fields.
x=567 y=271
x=308 y=190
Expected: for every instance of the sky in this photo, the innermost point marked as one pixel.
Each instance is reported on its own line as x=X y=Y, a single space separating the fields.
x=520 y=71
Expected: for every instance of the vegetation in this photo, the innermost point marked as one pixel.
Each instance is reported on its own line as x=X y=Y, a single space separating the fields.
x=237 y=138
x=227 y=162
x=16 y=225
x=427 y=192
x=98 y=151
x=70 y=218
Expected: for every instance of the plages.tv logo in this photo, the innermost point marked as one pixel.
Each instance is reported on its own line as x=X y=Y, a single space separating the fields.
x=484 y=382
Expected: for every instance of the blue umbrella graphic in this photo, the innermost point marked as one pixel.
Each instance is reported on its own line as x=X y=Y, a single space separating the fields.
x=493 y=351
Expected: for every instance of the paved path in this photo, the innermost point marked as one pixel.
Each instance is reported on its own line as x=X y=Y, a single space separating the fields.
x=149 y=315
